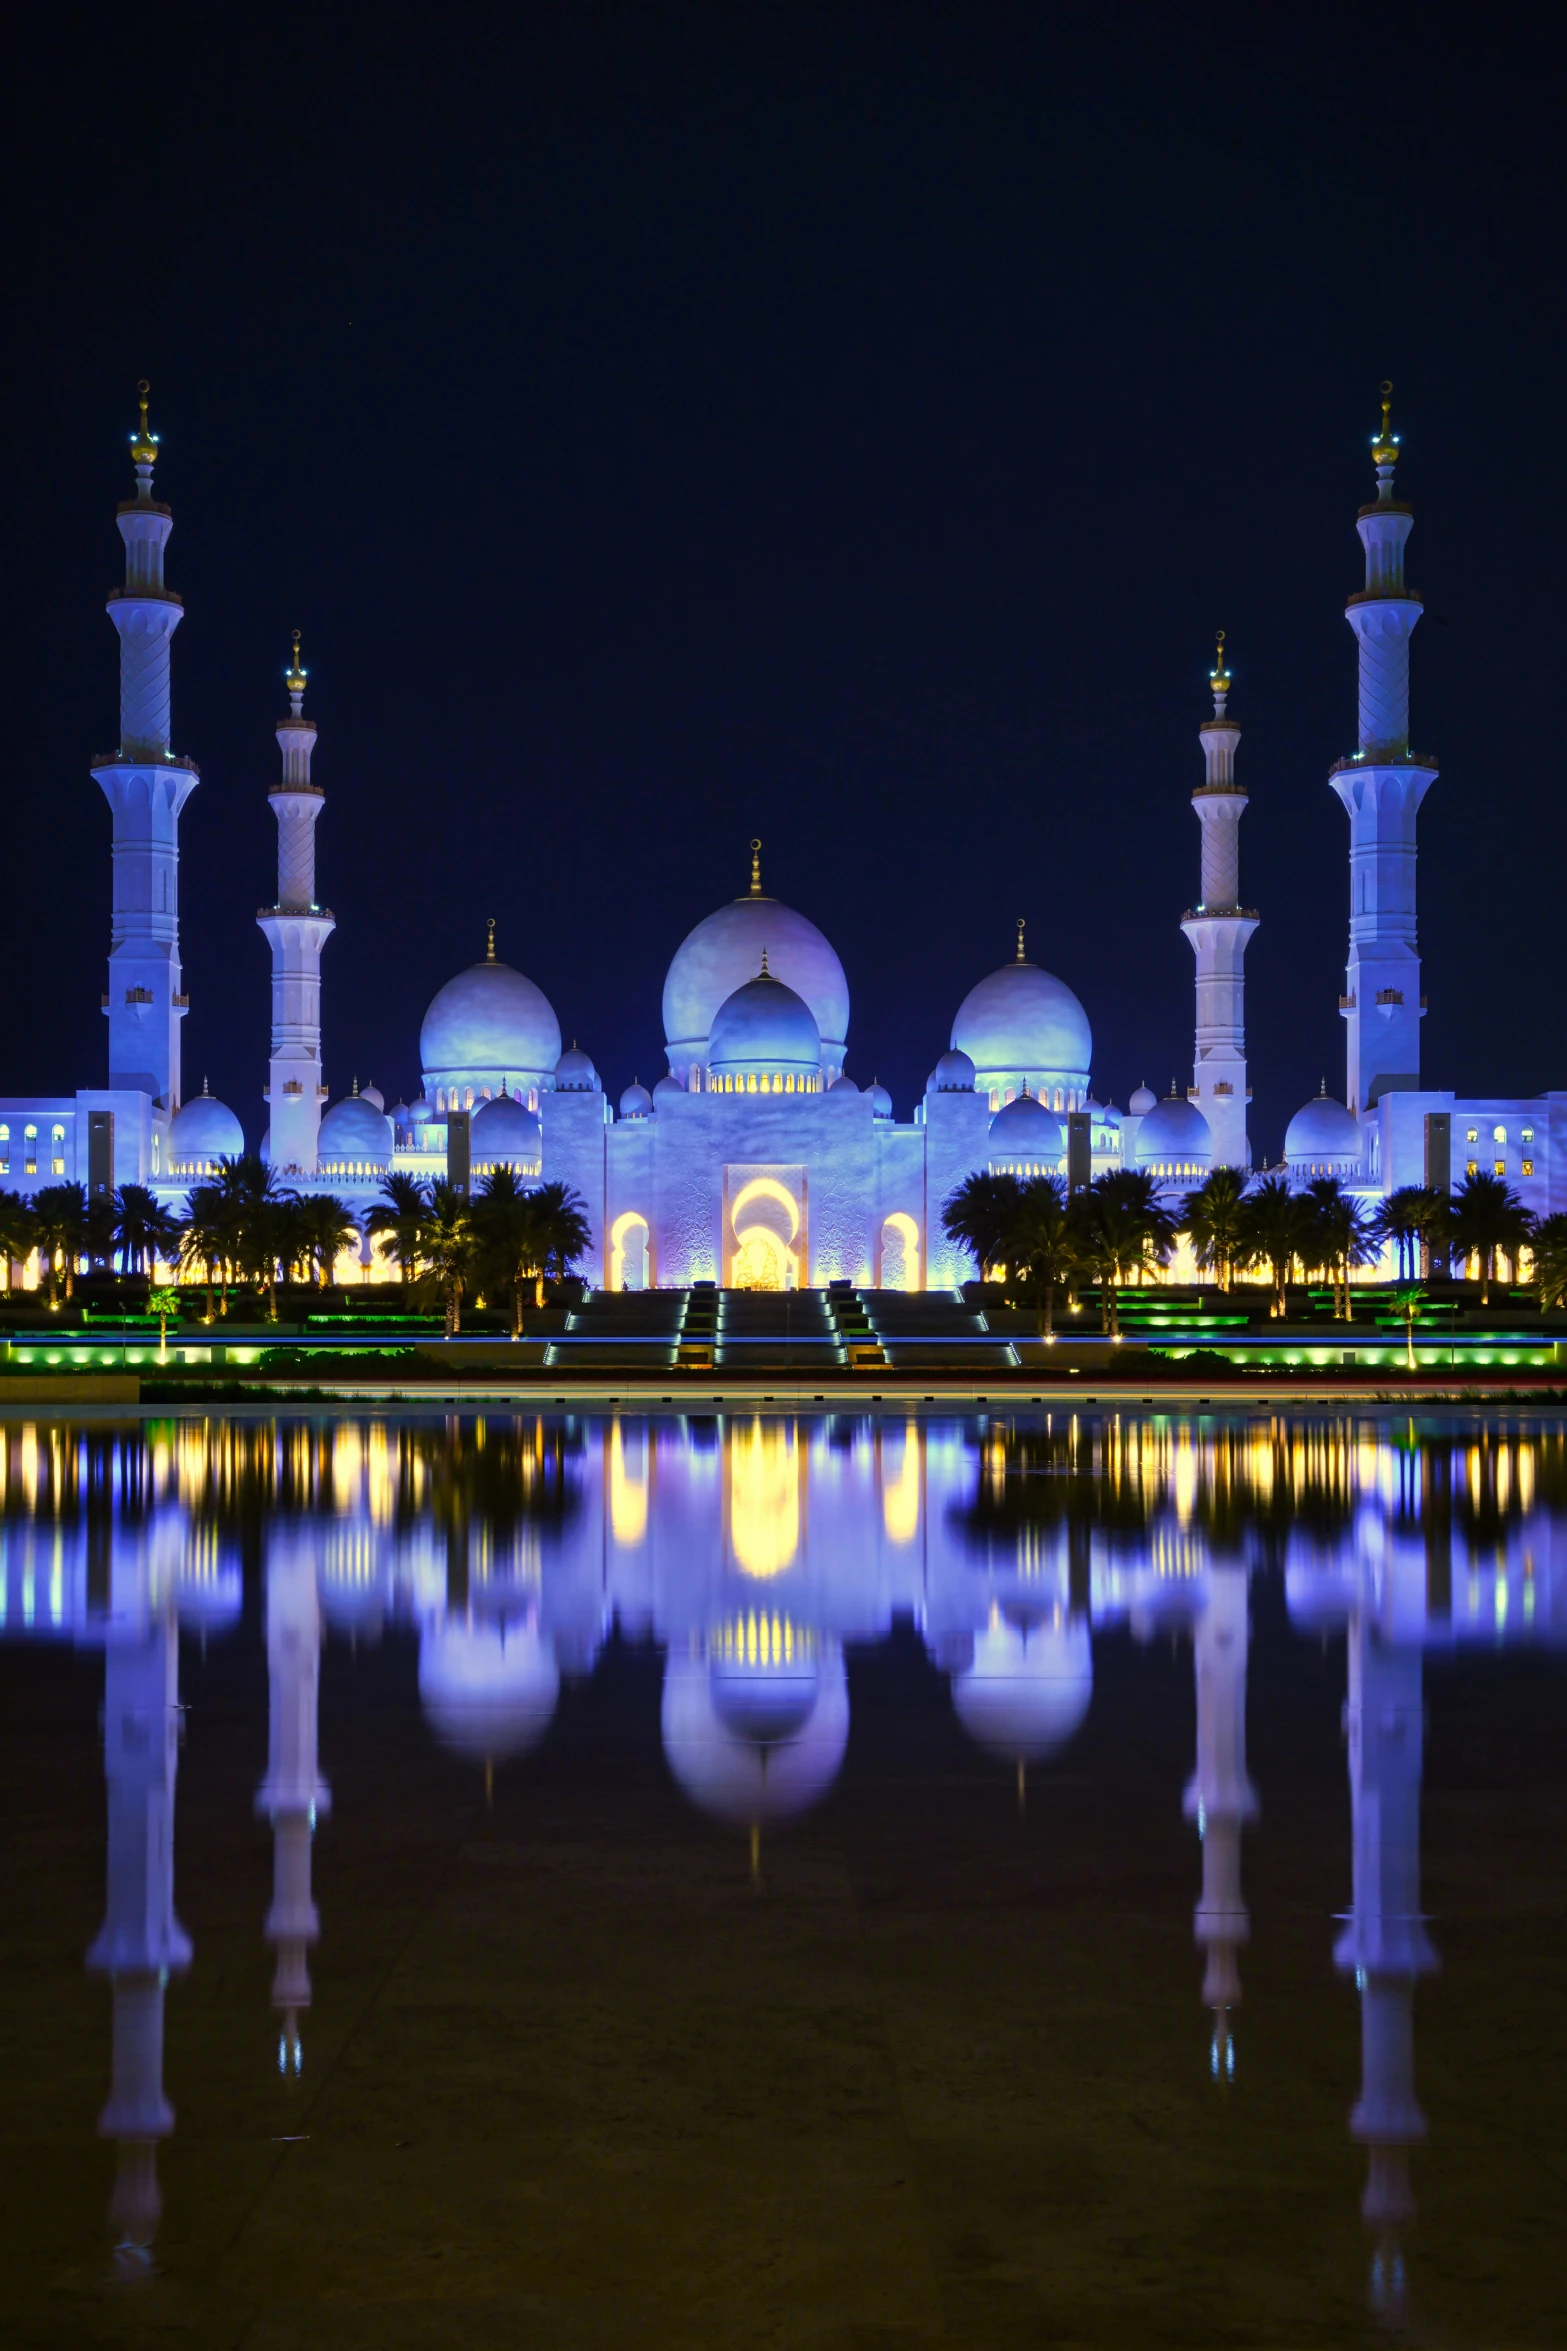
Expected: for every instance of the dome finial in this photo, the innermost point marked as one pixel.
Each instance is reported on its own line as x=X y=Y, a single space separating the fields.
x=764 y=973
x=294 y=678
x=1022 y=958
x=756 y=869
x=1219 y=676
x=1384 y=445
x=144 y=445
x=489 y=942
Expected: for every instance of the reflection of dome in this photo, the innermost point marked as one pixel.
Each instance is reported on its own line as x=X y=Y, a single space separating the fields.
x=1024 y=1021
x=636 y=1101
x=1174 y=1139
x=575 y=1074
x=506 y=1129
x=1024 y=1134
x=1026 y=1692
x=764 y=1029
x=489 y=1026
x=953 y=1074
x=1143 y=1100
x=203 y=1131
x=758 y=1754
x=210 y=1594
x=1322 y=1139
x=725 y=951
x=354 y=1132
x=488 y=1690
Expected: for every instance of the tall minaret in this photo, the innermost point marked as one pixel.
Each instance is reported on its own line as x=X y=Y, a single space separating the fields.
x=146 y=787
x=296 y=929
x=1219 y=928
x=1382 y=785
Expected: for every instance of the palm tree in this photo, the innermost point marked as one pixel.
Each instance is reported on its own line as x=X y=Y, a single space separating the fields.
x=205 y=1237
x=322 y=1226
x=1408 y=1303
x=1412 y=1214
x=509 y=1229
x=61 y=1211
x=1487 y=1216
x=1548 y=1247
x=398 y=1221
x=1342 y=1235
x=1123 y=1229
x=449 y=1248
x=1214 y=1216
x=1044 y=1242
x=564 y=1229
x=163 y=1303
x=18 y=1233
x=1278 y=1227
x=144 y=1229
x=980 y=1216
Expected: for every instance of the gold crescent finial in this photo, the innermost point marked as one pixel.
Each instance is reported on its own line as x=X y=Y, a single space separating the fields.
x=144 y=445
x=1022 y=958
x=1384 y=445
x=489 y=944
x=756 y=869
x=294 y=676
x=1219 y=676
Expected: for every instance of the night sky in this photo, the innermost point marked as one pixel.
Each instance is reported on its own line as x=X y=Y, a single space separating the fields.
x=842 y=424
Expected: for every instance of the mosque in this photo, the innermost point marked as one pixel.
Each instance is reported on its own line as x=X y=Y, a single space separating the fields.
x=757 y=1160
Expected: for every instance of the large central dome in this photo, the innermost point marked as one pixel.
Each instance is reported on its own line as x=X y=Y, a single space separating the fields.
x=726 y=950
x=489 y=1030
x=1024 y=1026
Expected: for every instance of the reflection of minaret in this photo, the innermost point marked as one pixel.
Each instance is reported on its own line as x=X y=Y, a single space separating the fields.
x=293 y=1796
x=141 y=1942
x=1385 y=1941
x=1220 y=1798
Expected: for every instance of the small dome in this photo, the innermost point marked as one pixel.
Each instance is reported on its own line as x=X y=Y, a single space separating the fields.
x=265 y=1152
x=575 y=1073
x=722 y=953
x=636 y=1101
x=373 y=1094
x=488 y=1690
x=880 y=1100
x=399 y=1114
x=203 y=1131
x=506 y=1129
x=353 y=1130
x=843 y=1085
x=667 y=1085
x=1026 y=1130
x=1174 y=1139
x=1026 y=1691
x=1323 y=1138
x=419 y=1111
x=489 y=1026
x=954 y=1073
x=764 y=1027
x=1143 y=1100
x=1024 y=1020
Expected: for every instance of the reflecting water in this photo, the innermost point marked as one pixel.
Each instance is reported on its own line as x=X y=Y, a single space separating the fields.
x=548 y=1627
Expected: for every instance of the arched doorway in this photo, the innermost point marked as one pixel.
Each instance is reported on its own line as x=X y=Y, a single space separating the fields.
x=765 y=1222
x=900 y=1252
x=631 y=1253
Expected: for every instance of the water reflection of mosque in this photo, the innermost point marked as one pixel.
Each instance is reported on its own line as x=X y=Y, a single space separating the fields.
x=754 y=1551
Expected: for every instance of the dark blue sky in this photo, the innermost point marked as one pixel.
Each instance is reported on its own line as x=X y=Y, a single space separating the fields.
x=845 y=424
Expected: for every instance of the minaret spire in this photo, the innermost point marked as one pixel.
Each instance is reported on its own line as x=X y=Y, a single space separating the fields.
x=296 y=929
x=146 y=786
x=1382 y=785
x=1219 y=929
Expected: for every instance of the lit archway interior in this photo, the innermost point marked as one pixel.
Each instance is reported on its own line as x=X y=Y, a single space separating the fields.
x=765 y=1220
x=900 y=1252
x=631 y=1253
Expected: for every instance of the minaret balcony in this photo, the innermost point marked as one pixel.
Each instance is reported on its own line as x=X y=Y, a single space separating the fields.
x=1382 y=595
x=143 y=506
x=141 y=595
x=1390 y=996
x=1394 y=756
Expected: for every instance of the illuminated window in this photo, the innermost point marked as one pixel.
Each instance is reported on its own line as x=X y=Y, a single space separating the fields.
x=1498 y=1134
x=1526 y=1134
x=1528 y=1167
x=30 y=1143
x=1473 y=1167
x=1500 y=1166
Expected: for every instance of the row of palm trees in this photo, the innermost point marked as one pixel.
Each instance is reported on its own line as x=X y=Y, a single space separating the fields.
x=1119 y=1230
x=243 y=1228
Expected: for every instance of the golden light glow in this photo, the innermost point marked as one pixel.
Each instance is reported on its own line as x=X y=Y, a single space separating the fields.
x=762 y=1466
x=628 y=1484
x=900 y=1493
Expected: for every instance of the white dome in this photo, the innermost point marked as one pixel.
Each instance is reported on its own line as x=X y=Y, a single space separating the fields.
x=667 y=1085
x=764 y=1026
x=1143 y=1100
x=1323 y=1138
x=843 y=1085
x=880 y=1100
x=636 y=1101
x=725 y=951
x=954 y=1073
x=488 y=1690
x=1026 y=1691
x=575 y=1074
x=722 y=1750
x=1026 y=1130
x=489 y=1026
x=353 y=1131
x=373 y=1094
x=203 y=1131
x=1024 y=1022
x=505 y=1129
x=1174 y=1139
